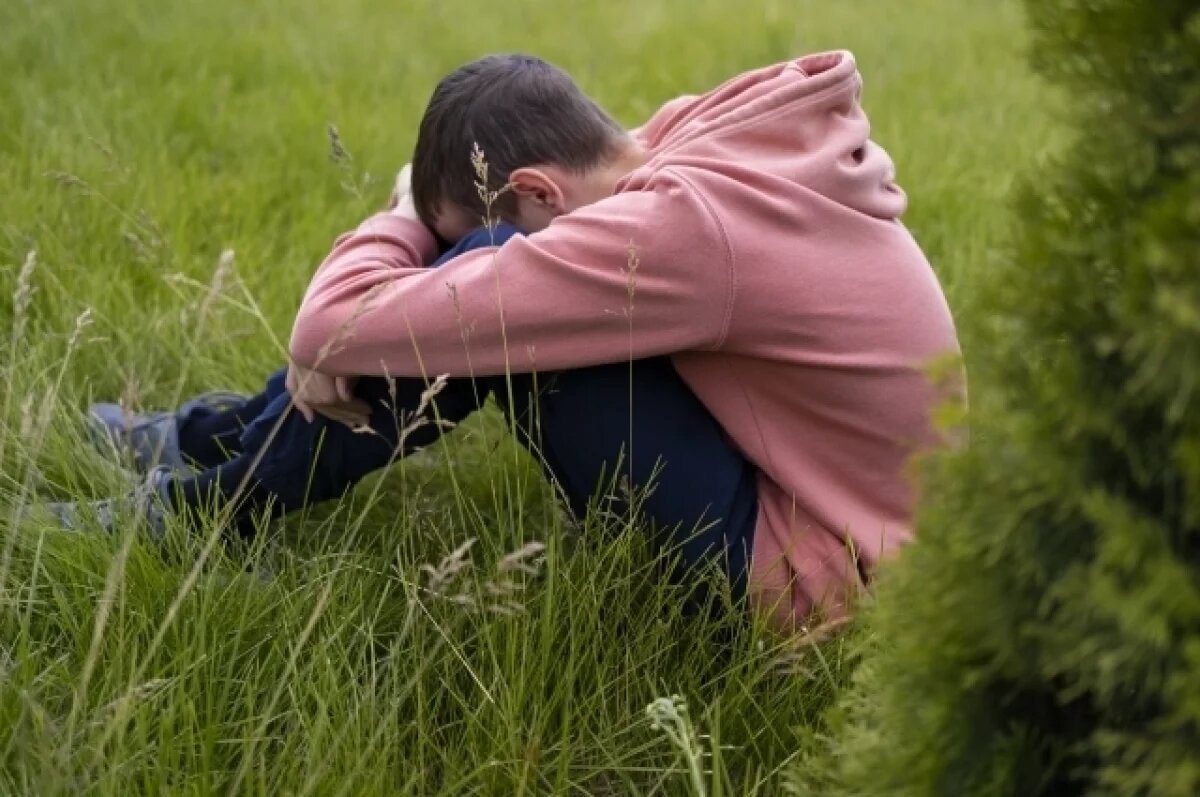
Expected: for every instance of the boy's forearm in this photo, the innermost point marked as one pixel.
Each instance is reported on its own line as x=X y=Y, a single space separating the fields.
x=341 y=290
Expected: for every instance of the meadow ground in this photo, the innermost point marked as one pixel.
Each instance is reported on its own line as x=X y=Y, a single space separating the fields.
x=139 y=139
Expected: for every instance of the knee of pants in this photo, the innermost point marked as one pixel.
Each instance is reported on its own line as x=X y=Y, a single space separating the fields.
x=642 y=425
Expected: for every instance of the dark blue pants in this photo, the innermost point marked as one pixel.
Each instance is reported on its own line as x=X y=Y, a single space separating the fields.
x=695 y=490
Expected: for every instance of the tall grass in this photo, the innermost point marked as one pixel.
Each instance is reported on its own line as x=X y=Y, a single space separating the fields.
x=444 y=629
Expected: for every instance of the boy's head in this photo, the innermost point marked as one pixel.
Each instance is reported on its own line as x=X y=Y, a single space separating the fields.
x=540 y=134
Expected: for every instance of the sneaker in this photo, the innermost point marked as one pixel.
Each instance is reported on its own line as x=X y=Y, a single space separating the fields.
x=152 y=439
x=150 y=500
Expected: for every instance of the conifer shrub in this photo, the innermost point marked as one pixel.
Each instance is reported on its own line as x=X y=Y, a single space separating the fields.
x=1042 y=636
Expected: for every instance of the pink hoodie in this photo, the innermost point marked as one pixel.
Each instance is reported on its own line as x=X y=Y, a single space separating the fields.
x=771 y=265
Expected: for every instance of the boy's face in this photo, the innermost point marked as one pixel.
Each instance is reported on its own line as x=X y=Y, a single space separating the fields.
x=453 y=222
x=541 y=193
x=533 y=213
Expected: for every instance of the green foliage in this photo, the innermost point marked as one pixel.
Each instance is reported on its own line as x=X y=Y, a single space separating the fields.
x=1043 y=636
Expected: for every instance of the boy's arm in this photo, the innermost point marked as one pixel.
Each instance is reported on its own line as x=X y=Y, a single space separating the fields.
x=562 y=298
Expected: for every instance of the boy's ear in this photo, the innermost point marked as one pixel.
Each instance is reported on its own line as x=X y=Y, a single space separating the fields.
x=538 y=186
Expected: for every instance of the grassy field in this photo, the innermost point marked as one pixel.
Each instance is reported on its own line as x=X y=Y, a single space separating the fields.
x=139 y=140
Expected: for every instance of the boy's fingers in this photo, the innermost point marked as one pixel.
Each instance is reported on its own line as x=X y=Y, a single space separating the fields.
x=345 y=389
x=402 y=187
x=304 y=409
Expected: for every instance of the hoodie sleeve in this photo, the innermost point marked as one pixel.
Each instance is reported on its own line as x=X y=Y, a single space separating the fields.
x=639 y=274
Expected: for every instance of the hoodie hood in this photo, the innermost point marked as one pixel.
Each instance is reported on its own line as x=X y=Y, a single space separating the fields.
x=800 y=120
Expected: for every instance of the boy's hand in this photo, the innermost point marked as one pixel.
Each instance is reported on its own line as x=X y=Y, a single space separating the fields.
x=316 y=393
x=401 y=203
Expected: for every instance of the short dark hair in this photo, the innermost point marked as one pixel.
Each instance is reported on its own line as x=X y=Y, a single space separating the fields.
x=521 y=111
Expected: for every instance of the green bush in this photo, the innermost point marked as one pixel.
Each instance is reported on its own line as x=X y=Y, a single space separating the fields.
x=1043 y=635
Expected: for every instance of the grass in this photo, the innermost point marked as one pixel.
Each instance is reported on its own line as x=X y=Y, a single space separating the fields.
x=140 y=141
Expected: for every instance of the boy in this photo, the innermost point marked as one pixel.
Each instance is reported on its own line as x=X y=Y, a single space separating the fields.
x=742 y=249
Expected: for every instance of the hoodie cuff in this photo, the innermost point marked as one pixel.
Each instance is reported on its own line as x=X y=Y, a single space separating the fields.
x=411 y=231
